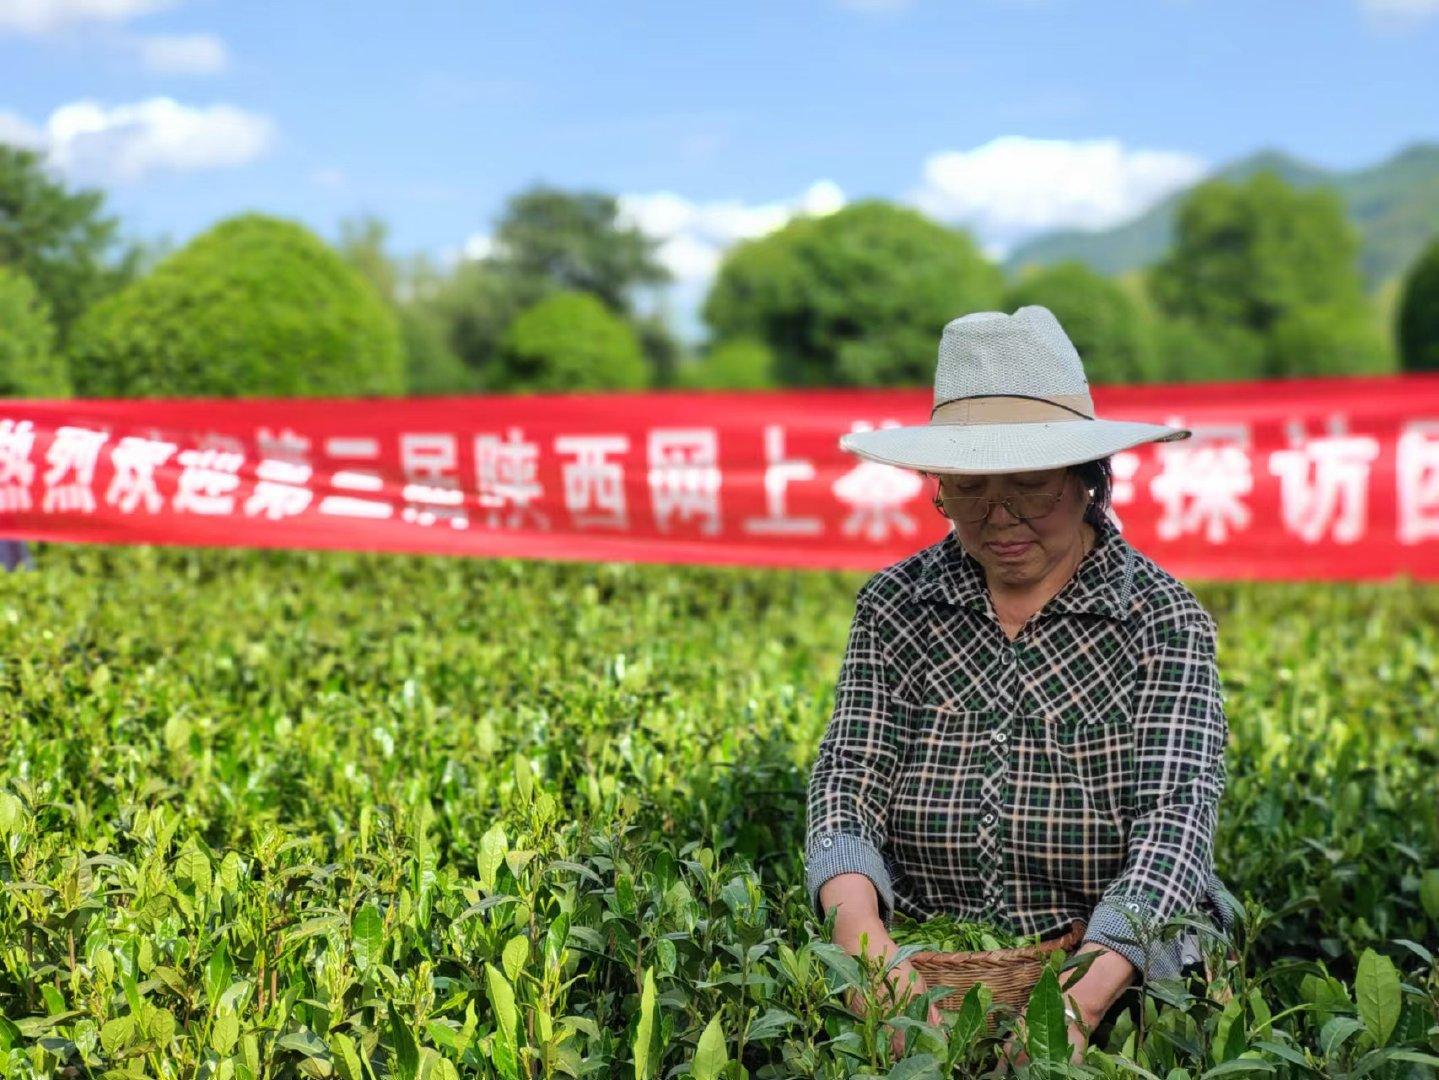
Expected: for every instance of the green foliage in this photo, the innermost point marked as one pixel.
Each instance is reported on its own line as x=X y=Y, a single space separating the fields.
x=59 y=239
x=737 y=364
x=1418 y=321
x=858 y=297
x=1328 y=341
x=256 y=306
x=1099 y=317
x=568 y=341
x=575 y=241
x=1262 y=259
x=945 y=933
x=29 y=363
x=359 y=815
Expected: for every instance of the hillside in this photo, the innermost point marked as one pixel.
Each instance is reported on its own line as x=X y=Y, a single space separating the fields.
x=1395 y=205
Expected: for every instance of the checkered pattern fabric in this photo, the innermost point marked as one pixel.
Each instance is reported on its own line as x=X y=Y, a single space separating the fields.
x=1073 y=773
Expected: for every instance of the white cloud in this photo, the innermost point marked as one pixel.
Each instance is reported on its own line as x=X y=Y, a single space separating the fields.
x=109 y=144
x=50 y=16
x=1398 y=15
x=183 y=54
x=17 y=131
x=478 y=246
x=693 y=235
x=1013 y=186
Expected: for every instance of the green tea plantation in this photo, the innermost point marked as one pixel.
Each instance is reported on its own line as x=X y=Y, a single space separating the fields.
x=279 y=814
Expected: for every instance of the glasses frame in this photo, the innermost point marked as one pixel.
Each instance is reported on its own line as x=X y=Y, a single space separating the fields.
x=1004 y=500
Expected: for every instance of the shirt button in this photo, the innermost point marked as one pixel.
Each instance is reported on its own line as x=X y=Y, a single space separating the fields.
x=826 y=842
x=988 y=819
x=1000 y=736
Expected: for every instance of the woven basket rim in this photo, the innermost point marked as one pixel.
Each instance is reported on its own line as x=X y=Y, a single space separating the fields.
x=1066 y=940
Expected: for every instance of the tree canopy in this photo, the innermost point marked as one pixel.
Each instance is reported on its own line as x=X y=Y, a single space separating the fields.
x=58 y=238
x=566 y=342
x=1259 y=257
x=255 y=306
x=858 y=297
x=1418 y=320
x=30 y=366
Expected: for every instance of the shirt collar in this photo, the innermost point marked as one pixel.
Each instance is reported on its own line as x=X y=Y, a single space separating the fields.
x=1101 y=585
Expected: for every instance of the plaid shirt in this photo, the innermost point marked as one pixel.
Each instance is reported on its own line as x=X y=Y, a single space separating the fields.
x=1073 y=773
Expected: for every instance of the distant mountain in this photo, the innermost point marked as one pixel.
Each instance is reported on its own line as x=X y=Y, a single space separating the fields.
x=1394 y=204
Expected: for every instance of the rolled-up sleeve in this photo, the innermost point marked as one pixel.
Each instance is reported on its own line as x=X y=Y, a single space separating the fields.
x=853 y=774
x=1179 y=776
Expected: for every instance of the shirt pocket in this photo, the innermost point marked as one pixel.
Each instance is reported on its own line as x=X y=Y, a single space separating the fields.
x=1095 y=752
x=936 y=790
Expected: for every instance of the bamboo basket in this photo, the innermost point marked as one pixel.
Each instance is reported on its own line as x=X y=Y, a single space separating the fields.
x=1010 y=973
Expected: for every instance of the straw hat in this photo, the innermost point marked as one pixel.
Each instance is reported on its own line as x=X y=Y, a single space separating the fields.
x=1010 y=395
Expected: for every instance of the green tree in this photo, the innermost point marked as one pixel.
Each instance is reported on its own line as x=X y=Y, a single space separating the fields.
x=1103 y=322
x=1418 y=321
x=1254 y=256
x=29 y=364
x=255 y=306
x=568 y=341
x=431 y=365
x=575 y=241
x=737 y=364
x=858 y=297
x=58 y=238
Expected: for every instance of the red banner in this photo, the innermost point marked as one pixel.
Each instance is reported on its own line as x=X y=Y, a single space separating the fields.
x=1323 y=478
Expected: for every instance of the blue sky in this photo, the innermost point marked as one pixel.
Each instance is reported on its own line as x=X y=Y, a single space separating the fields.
x=712 y=122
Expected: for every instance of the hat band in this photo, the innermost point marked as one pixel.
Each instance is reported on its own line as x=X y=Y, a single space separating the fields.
x=1013 y=409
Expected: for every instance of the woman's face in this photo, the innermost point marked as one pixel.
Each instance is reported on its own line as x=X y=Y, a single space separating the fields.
x=1017 y=552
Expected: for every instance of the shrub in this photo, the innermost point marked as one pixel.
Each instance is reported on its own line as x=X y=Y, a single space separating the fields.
x=257 y=306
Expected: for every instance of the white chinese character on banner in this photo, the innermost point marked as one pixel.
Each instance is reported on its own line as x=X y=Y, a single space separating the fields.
x=207 y=481
x=684 y=476
x=507 y=477
x=283 y=445
x=779 y=472
x=280 y=490
x=355 y=448
x=432 y=492
x=1203 y=481
x=74 y=450
x=1416 y=476
x=135 y=459
x=1324 y=483
x=592 y=482
x=17 y=471
x=874 y=493
x=1122 y=466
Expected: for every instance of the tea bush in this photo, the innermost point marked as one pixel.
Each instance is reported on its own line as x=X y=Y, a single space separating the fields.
x=273 y=814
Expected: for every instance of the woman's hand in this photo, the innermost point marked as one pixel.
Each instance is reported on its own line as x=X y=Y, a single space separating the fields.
x=904 y=981
x=1014 y=1055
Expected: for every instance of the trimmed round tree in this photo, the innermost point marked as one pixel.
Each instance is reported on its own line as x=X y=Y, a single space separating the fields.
x=29 y=364
x=1418 y=322
x=568 y=341
x=1103 y=322
x=857 y=297
x=737 y=364
x=257 y=306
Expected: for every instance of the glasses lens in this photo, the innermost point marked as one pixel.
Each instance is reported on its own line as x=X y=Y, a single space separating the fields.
x=1032 y=504
x=966 y=508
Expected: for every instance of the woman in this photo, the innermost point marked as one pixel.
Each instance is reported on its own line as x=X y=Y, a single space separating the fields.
x=1028 y=726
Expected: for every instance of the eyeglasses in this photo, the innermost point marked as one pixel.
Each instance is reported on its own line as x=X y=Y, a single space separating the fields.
x=969 y=509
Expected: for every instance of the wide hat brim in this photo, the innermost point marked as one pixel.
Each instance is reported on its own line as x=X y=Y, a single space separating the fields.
x=1003 y=448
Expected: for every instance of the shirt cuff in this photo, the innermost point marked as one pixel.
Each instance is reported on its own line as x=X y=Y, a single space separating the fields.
x=840 y=853
x=1110 y=925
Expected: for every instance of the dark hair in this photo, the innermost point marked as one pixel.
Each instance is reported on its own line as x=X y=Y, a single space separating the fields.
x=1096 y=476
